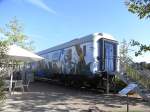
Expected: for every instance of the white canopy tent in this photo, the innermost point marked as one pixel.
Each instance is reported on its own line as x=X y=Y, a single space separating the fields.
x=19 y=54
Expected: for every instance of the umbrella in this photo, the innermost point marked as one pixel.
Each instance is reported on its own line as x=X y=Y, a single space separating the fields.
x=19 y=54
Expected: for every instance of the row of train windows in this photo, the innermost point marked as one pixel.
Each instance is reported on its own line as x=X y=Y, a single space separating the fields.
x=57 y=53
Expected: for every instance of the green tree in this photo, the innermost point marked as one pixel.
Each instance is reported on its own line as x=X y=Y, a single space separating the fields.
x=142 y=9
x=14 y=34
x=123 y=52
x=3 y=67
x=139 y=7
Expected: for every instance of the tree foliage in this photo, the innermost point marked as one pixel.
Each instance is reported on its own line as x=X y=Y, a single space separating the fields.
x=123 y=52
x=139 y=7
x=142 y=9
x=3 y=67
x=142 y=47
x=14 y=34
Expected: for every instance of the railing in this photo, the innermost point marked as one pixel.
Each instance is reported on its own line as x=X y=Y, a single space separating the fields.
x=134 y=74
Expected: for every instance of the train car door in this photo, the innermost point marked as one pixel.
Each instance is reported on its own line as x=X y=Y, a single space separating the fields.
x=109 y=54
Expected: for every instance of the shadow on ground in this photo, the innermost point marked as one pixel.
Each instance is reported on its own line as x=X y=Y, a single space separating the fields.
x=44 y=97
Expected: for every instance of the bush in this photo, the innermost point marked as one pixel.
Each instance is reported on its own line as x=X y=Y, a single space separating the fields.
x=3 y=68
x=119 y=84
x=2 y=93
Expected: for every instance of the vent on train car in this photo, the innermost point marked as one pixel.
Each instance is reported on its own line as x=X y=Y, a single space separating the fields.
x=100 y=34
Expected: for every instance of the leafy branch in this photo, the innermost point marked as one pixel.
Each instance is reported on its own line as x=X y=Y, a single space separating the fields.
x=142 y=47
x=139 y=7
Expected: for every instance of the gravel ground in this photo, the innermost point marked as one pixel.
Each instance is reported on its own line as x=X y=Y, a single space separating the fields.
x=45 y=97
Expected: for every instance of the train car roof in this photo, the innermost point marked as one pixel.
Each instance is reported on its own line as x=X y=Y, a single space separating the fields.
x=80 y=40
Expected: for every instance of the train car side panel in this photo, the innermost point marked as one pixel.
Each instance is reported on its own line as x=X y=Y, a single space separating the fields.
x=73 y=60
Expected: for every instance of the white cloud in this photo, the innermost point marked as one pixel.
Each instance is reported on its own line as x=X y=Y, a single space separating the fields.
x=40 y=4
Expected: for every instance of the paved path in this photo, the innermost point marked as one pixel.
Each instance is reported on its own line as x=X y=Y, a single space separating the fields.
x=44 y=97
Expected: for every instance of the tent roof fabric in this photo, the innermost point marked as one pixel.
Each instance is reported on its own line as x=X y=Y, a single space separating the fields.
x=17 y=53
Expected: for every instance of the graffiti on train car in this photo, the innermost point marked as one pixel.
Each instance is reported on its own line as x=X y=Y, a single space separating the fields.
x=67 y=64
x=66 y=61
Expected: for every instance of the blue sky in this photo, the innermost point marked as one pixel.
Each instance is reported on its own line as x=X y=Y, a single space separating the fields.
x=51 y=22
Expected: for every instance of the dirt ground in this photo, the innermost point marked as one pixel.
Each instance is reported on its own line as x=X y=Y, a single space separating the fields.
x=45 y=97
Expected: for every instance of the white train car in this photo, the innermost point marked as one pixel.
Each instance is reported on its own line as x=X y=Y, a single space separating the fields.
x=84 y=59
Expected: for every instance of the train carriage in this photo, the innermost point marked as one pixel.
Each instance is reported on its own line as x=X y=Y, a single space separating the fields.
x=82 y=61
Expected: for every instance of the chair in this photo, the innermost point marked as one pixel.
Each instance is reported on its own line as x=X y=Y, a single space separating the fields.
x=26 y=85
x=18 y=84
x=6 y=84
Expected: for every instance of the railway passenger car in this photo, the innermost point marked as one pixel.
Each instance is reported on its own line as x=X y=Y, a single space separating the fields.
x=82 y=61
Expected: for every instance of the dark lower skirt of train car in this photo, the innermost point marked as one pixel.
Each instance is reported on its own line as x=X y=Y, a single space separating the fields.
x=96 y=81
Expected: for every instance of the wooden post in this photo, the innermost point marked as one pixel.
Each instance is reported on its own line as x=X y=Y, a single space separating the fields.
x=127 y=103
x=115 y=84
x=107 y=83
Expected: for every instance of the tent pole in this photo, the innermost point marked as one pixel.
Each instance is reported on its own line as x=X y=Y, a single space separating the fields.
x=11 y=78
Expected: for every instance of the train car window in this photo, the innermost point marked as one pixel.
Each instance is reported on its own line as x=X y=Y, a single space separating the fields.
x=55 y=56
x=84 y=50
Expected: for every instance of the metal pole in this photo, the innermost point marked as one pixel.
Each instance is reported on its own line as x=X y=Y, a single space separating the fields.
x=11 y=78
x=127 y=103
